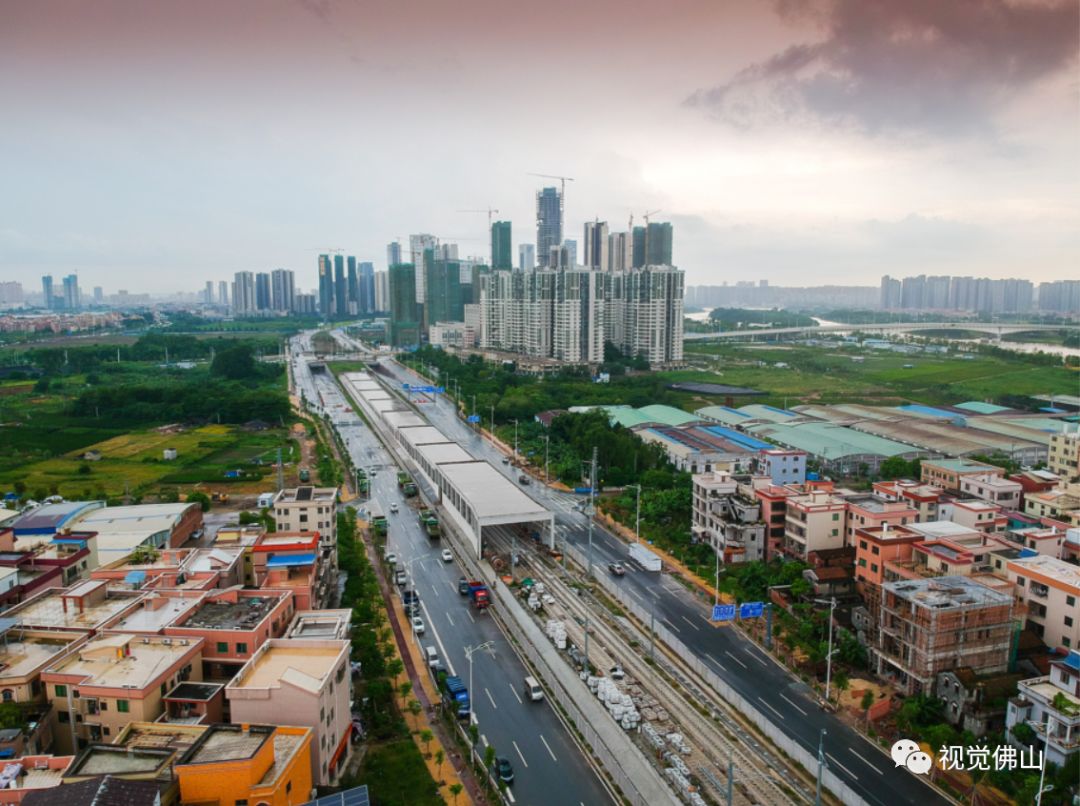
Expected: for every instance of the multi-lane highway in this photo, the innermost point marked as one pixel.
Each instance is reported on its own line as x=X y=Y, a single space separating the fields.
x=787 y=702
x=549 y=767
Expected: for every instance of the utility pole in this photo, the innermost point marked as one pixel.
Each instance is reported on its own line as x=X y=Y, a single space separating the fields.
x=820 y=765
x=828 y=660
x=592 y=510
x=547 y=442
x=731 y=777
x=515 y=439
x=280 y=472
x=492 y=423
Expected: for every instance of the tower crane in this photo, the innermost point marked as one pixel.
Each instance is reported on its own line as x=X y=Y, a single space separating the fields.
x=490 y=211
x=651 y=212
x=562 y=181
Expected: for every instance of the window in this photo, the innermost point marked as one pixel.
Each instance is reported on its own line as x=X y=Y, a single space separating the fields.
x=873 y=567
x=836 y=516
x=1065 y=640
x=103 y=705
x=1070 y=601
x=1068 y=621
x=222 y=646
x=122 y=706
x=862 y=562
x=8 y=695
x=288 y=787
x=63 y=717
x=61 y=691
x=862 y=545
x=876 y=550
x=241 y=648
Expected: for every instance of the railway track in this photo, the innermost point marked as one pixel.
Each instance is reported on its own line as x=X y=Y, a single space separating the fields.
x=717 y=736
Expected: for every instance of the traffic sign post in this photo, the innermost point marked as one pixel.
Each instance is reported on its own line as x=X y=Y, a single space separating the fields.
x=723 y=612
x=751 y=609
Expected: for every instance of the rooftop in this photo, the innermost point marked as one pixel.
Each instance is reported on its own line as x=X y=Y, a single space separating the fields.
x=305 y=664
x=221 y=614
x=941 y=529
x=123 y=660
x=23 y=653
x=197 y=692
x=50 y=518
x=302 y=494
x=1050 y=567
x=491 y=494
x=320 y=624
x=944 y=593
x=830 y=441
x=154 y=613
x=107 y=759
x=425 y=435
x=145 y=519
x=55 y=608
x=979 y=407
x=159 y=736
x=229 y=743
x=961 y=465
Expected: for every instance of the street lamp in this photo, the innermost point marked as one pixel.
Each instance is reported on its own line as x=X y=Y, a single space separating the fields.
x=547 y=443
x=1042 y=775
x=515 y=439
x=828 y=658
x=487 y=646
x=821 y=765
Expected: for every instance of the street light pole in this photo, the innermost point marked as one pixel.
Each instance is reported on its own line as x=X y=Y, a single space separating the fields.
x=1042 y=773
x=820 y=766
x=592 y=512
x=547 y=443
x=828 y=658
x=515 y=439
x=469 y=652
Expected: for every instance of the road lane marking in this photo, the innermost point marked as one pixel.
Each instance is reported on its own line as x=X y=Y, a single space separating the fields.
x=483 y=738
x=492 y=699
x=770 y=708
x=716 y=662
x=866 y=761
x=841 y=766
x=692 y=624
x=450 y=619
x=515 y=693
x=755 y=657
x=735 y=659
x=548 y=749
x=523 y=761
x=672 y=626
x=793 y=705
x=469 y=614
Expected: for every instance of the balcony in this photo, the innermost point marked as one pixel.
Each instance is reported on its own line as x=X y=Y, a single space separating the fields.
x=1039 y=590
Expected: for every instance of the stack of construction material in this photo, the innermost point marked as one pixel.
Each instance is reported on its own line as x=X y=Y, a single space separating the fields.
x=620 y=706
x=652 y=737
x=677 y=741
x=556 y=631
x=534 y=602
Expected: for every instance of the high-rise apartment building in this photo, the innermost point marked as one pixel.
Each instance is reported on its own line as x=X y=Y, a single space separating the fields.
x=222 y=292
x=418 y=244
x=526 y=256
x=570 y=253
x=658 y=243
x=637 y=247
x=326 y=286
x=597 y=243
x=405 y=314
x=444 y=294
x=352 y=301
x=502 y=255
x=890 y=293
x=549 y=223
x=99 y=295
x=382 y=291
x=11 y=293
x=208 y=293
x=262 y=291
x=243 y=293
x=282 y=290
x=620 y=252
x=945 y=293
x=366 y=282
x=72 y=296
x=393 y=253
x=341 y=291
x=47 y=292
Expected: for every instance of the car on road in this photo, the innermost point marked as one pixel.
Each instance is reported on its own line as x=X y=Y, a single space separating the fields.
x=616 y=672
x=393 y=508
x=463 y=586
x=418 y=625
x=504 y=770
x=391 y=558
x=447 y=557
x=617 y=569
x=506 y=460
x=523 y=480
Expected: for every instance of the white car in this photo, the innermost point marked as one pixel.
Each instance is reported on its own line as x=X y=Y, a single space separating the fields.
x=391 y=558
x=393 y=508
x=418 y=625
x=447 y=557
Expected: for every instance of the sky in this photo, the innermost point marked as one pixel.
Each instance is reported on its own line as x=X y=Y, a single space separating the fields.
x=152 y=146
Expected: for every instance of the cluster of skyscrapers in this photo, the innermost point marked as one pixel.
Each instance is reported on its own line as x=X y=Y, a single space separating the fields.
x=626 y=292
x=978 y=294
x=348 y=288
x=69 y=297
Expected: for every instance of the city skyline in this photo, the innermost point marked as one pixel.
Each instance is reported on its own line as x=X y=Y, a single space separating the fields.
x=772 y=154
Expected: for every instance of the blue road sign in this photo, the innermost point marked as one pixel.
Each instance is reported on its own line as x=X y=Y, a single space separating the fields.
x=441 y=390
x=723 y=612
x=427 y=390
x=751 y=609
x=473 y=418
x=404 y=386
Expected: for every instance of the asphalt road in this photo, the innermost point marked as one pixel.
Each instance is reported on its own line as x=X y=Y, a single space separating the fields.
x=548 y=766
x=786 y=701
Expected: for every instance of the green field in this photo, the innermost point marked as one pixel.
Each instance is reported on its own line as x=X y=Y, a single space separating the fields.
x=824 y=375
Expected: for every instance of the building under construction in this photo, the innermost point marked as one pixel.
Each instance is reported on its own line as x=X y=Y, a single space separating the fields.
x=929 y=626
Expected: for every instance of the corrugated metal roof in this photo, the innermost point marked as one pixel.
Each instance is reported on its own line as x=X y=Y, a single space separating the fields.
x=979 y=407
x=830 y=441
x=288 y=560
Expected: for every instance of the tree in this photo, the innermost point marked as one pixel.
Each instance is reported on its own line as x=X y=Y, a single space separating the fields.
x=455 y=790
x=865 y=703
x=11 y=716
x=415 y=708
x=202 y=499
x=842 y=683
x=489 y=756
x=394 y=668
x=404 y=689
x=235 y=363
x=426 y=736
x=440 y=757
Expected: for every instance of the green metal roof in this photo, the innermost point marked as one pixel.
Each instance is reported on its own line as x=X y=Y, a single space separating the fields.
x=960 y=465
x=665 y=415
x=830 y=441
x=722 y=414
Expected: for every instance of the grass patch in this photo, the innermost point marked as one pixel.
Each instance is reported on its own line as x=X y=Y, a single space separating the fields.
x=397 y=775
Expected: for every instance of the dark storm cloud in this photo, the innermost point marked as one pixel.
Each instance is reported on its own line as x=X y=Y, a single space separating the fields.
x=935 y=66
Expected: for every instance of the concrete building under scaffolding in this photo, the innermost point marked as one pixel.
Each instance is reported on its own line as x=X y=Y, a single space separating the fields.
x=929 y=626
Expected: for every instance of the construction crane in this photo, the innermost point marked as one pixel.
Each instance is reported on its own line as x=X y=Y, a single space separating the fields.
x=651 y=212
x=562 y=181
x=490 y=211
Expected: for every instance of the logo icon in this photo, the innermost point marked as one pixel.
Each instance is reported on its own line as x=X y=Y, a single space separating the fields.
x=906 y=753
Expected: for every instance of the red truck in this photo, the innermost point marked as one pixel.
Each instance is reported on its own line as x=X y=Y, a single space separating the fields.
x=478 y=592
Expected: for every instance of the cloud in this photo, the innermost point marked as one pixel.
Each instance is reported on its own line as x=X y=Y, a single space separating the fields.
x=901 y=66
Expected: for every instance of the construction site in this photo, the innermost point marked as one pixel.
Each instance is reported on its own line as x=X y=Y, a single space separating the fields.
x=929 y=626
